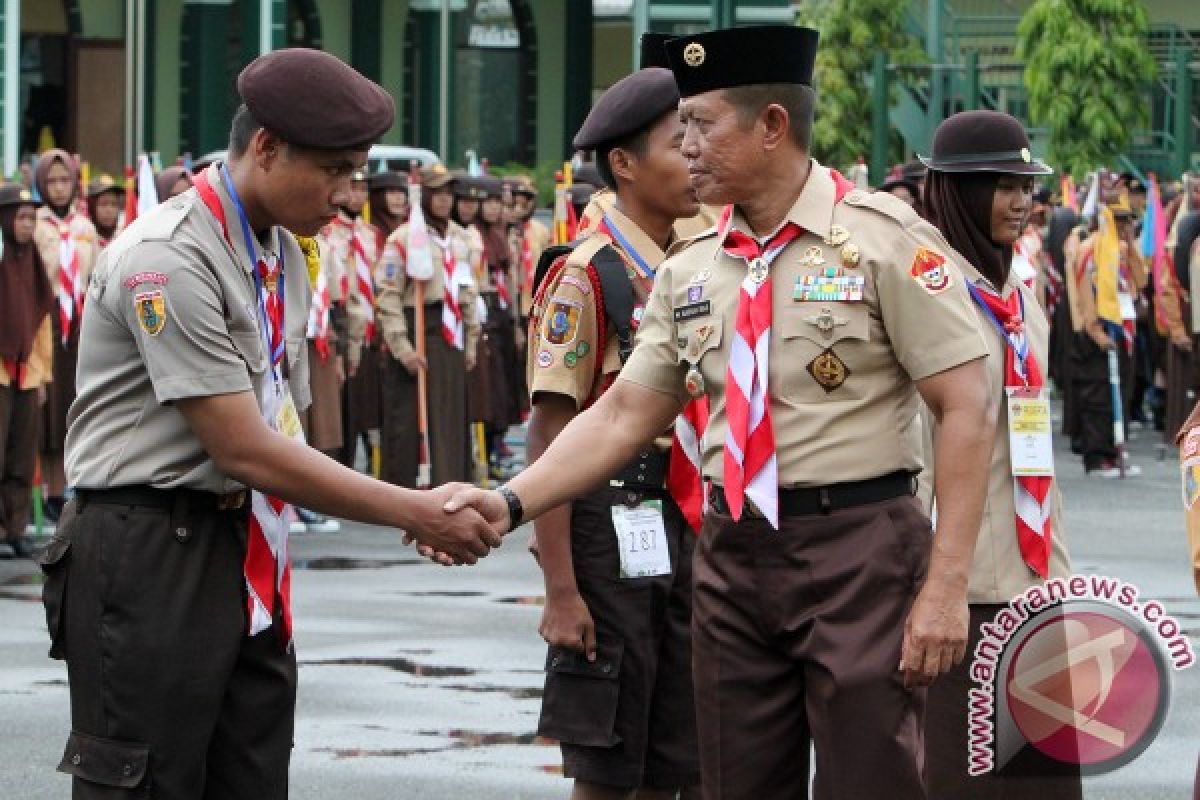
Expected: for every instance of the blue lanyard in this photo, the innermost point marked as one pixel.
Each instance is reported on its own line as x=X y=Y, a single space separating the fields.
x=248 y=235
x=640 y=262
x=1020 y=345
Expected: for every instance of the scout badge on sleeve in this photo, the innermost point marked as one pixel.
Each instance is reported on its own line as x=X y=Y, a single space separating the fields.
x=562 y=321
x=930 y=271
x=1189 y=460
x=151 y=311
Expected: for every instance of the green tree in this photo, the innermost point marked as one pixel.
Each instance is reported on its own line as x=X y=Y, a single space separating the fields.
x=852 y=31
x=1087 y=68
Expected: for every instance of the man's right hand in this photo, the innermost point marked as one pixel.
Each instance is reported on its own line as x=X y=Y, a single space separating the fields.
x=412 y=361
x=567 y=622
x=463 y=537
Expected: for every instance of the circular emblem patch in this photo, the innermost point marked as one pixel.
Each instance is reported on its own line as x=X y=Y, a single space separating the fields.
x=570 y=359
x=693 y=54
x=545 y=359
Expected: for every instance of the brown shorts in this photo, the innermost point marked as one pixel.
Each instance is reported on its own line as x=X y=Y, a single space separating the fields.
x=627 y=719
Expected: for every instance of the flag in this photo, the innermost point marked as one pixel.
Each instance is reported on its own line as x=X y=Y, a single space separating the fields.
x=1107 y=255
x=147 y=193
x=1092 y=203
x=1067 y=189
x=130 y=197
x=1154 y=241
x=418 y=259
x=474 y=170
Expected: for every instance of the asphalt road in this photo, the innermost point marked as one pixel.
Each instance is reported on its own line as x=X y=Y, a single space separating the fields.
x=423 y=682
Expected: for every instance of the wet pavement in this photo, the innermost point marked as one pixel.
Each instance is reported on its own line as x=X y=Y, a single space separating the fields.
x=423 y=682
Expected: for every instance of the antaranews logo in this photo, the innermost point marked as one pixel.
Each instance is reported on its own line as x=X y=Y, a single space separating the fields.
x=1077 y=669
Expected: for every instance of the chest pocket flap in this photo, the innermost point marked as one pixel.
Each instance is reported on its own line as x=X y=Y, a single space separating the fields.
x=697 y=338
x=248 y=342
x=826 y=322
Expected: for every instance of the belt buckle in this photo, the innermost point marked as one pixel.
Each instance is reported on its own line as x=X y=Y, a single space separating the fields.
x=232 y=501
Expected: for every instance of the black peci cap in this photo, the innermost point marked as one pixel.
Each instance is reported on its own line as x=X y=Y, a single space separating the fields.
x=733 y=57
x=654 y=51
x=628 y=106
x=313 y=99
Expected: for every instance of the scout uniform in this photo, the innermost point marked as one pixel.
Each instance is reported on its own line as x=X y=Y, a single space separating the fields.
x=26 y=344
x=179 y=654
x=640 y=732
x=797 y=631
x=451 y=339
x=1089 y=368
x=531 y=238
x=100 y=186
x=1013 y=552
x=68 y=247
x=1188 y=441
x=327 y=339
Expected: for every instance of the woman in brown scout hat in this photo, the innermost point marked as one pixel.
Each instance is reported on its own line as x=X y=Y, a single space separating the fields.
x=26 y=301
x=979 y=193
x=105 y=199
x=66 y=241
x=387 y=193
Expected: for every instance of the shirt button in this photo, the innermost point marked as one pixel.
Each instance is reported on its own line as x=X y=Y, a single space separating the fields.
x=181 y=534
x=606 y=668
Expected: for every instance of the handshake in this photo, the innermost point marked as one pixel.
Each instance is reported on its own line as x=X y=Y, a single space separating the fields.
x=457 y=523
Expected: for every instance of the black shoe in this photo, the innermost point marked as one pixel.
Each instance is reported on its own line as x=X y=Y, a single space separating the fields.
x=22 y=547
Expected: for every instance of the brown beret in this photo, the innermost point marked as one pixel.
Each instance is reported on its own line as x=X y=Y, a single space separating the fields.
x=732 y=57
x=630 y=105
x=15 y=194
x=313 y=99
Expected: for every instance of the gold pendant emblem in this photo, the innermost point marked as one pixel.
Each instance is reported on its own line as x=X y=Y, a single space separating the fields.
x=693 y=54
x=838 y=236
x=850 y=254
x=758 y=271
x=828 y=370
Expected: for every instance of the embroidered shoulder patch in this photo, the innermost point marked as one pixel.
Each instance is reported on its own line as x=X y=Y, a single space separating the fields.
x=562 y=321
x=138 y=278
x=930 y=271
x=151 y=309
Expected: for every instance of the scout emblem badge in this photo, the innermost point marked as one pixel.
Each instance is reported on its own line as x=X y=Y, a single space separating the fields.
x=828 y=370
x=838 y=235
x=930 y=271
x=758 y=271
x=694 y=382
x=562 y=321
x=151 y=311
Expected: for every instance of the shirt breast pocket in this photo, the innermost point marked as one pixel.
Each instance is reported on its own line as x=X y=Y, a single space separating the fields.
x=697 y=338
x=822 y=343
x=249 y=345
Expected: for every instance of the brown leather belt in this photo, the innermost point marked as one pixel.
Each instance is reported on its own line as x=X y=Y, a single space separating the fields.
x=810 y=501
x=164 y=499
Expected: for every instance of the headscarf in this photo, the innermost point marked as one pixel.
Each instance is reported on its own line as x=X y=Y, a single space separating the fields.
x=104 y=233
x=959 y=204
x=25 y=294
x=45 y=161
x=1058 y=228
x=381 y=218
x=170 y=176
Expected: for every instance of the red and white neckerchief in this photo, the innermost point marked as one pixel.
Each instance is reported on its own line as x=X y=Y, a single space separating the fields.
x=362 y=276
x=685 y=470
x=70 y=292
x=751 y=469
x=319 y=315
x=347 y=230
x=267 y=567
x=527 y=256
x=1032 y=494
x=500 y=279
x=1024 y=261
x=452 y=319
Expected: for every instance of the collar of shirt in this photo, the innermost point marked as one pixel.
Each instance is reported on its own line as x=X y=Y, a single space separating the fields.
x=247 y=260
x=646 y=248
x=812 y=210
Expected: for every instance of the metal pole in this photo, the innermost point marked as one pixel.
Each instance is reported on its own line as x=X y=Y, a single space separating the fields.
x=131 y=60
x=724 y=14
x=444 y=82
x=641 y=22
x=937 y=86
x=264 y=26
x=12 y=85
x=139 y=73
x=879 y=118
x=1183 y=111
x=971 y=82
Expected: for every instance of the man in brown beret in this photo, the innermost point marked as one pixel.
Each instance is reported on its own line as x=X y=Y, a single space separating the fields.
x=812 y=318
x=168 y=581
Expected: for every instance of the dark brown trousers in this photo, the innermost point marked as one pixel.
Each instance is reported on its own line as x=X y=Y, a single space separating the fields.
x=448 y=440
x=796 y=638
x=18 y=457
x=170 y=698
x=946 y=753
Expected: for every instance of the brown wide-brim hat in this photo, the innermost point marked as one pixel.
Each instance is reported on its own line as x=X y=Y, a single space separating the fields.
x=522 y=184
x=387 y=180
x=436 y=177
x=15 y=194
x=103 y=183
x=983 y=141
x=313 y=99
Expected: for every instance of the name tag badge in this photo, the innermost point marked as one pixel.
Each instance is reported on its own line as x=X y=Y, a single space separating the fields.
x=287 y=419
x=1128 y=309
x=693 y=310
x=1031 y=447
x=642 y=540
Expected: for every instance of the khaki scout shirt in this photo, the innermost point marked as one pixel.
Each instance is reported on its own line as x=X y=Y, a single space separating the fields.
x=998 y=573
x=539 y=238
x=1132 y=269
x=860 y=421
x=124 y=427
x=396 y=292
x=337 y=259
x=562 y=356
x=47 y=235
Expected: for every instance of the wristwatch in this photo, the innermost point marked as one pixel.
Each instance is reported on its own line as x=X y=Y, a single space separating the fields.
x=516 y=512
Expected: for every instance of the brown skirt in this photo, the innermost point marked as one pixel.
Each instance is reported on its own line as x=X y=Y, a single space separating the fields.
x=60 y=393
x=323 y=419
x=479 y=385
x=362 y=396
x=1180 y=391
